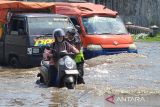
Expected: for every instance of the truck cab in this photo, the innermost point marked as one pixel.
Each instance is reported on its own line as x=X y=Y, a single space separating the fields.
x=102 y=30
x=26 y=36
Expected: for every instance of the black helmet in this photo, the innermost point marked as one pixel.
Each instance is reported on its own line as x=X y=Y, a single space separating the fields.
x=70 y=32
x=59 y=35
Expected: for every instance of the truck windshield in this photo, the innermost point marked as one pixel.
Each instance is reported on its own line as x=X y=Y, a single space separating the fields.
x=104 y=25
x=45 y=25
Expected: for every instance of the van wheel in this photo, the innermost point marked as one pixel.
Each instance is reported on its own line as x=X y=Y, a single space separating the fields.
x=14 y=62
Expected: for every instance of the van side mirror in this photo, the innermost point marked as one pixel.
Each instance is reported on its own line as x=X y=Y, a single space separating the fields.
x=78 y=28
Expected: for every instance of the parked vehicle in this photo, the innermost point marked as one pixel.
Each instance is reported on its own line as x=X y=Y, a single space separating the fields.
x=24 y=34
x=67 y=71
x=27 y=35
x=102 y=30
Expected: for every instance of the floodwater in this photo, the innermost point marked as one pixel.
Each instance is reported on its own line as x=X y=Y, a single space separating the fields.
x=123 y=76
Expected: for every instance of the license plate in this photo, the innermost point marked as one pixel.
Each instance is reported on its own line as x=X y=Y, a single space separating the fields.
x=35 y=50
x=71 y=72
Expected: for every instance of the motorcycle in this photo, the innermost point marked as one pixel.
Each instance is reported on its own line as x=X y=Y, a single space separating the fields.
x=67 y=72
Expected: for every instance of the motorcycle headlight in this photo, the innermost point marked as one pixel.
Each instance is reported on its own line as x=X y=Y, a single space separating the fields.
x=94 y=47
x=68 y=63
x=132 y=47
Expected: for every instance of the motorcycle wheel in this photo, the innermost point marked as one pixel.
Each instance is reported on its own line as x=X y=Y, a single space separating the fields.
x=69 y=82
x=70 y=85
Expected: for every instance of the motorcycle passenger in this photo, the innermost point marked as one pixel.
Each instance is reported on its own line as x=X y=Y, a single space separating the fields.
x=74 y=39
x=59 y=45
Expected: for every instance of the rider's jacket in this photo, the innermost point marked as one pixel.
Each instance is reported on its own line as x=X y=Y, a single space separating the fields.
x=64 y=46
x=58 y=47
x=79 y=57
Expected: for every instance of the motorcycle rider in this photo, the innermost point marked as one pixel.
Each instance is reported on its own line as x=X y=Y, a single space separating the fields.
x=74 y=39
x=52 y=54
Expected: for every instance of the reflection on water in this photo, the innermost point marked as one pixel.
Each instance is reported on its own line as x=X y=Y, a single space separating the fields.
x=124 y=74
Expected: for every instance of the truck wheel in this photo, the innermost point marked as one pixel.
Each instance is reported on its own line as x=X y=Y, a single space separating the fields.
x=14 y=62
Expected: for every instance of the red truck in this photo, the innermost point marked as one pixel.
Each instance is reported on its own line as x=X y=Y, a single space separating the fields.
x=102 y=30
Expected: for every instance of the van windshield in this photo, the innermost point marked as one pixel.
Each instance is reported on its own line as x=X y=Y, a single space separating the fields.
x=104 y=25
x=46 y=25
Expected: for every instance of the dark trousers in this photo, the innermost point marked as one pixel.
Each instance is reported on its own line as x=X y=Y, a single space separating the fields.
x=81 y=72
x=53 y=75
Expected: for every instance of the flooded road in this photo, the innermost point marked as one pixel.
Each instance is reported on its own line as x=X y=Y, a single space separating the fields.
x=122 y=75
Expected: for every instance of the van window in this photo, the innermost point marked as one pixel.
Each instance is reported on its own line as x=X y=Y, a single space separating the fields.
x=14 y=24
x=17 y=25
x=46 y=25
x=104 y=25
